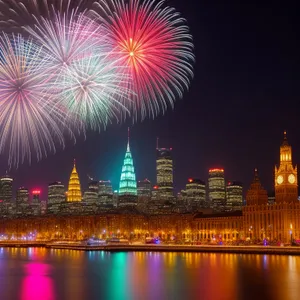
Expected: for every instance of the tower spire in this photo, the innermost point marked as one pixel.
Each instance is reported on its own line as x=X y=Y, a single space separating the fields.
x=74 y=190
x=128 y=138
x=285 y=141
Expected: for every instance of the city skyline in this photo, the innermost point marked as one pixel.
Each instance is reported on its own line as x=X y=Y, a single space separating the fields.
x=232 y=117
x=177 y=189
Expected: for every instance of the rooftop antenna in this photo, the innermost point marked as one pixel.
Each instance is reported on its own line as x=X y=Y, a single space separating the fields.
x=157 y=142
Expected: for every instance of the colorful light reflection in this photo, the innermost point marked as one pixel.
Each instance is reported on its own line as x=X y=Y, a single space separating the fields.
x=37 y=283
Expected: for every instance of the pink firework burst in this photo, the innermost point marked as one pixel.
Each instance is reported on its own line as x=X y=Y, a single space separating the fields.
x=155 y=43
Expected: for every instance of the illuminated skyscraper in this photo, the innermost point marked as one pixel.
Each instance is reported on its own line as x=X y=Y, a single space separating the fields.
x=195 y=193
x=234 y=197
x=127 y=187
x=164 y=172
x=216 y=189
x=6 y=188
x=105 y=193
x=36 y=202
x=74 y=190
x=56 y=196
x=22 y=196
x=128 y=181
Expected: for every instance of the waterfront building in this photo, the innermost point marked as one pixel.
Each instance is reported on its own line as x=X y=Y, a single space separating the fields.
x=6 y=183
x=164 y=173
x=216 y=189
x=74 y=190
x=56 y=196
x=195 y=194
x=286 y=177
x=128 y=185
x=234 y=196
x=256 y=195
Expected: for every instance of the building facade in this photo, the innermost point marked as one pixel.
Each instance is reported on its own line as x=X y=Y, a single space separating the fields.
x=234 y=196
x=56 y=196
x=164 y=173
x=128 y=185
x=216 y=189
x=195 y=194
x=74 y=189
x=286 y=177
x=6 y=189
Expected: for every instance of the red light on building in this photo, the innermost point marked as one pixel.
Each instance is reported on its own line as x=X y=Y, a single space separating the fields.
x=190 y=180
x=36 y=192
x=155 y=187
x=216 y=170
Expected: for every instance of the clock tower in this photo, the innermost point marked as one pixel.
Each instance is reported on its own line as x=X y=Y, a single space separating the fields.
x=286 y=181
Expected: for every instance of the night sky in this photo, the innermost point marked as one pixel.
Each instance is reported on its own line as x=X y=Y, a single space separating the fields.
x=244 y=95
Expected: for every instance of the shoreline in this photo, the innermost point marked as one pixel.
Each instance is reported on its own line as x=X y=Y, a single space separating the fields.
x=162 y=248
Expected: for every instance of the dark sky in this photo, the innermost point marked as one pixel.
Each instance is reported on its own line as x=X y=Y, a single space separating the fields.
x=244 y=95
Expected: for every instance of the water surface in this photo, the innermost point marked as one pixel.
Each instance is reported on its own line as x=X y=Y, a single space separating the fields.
x=38 y=273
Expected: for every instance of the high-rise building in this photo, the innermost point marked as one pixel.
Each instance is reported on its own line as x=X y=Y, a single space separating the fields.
x=128 y=186
x=6 y=188
x=74 y=190
x=144 y=188
x=286 y=177
x=36 y=202
x=256 y=195
x=164 y=172
x=91 y=195
x=22 y=196
x=234 y=197
x=216 y=189
x=56 y=196
x=105 y=193
x=195 y=193
x=144 y=193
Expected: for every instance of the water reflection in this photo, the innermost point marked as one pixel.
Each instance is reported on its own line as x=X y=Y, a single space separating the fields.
x=37 y=283
x=33 y=273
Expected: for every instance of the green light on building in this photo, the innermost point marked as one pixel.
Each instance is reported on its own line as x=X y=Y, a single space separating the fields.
x=128 y=184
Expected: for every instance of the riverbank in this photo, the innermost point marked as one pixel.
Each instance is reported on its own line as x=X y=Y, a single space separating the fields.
x=161 y=248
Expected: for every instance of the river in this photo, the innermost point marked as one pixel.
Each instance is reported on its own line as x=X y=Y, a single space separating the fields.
x=44 y=274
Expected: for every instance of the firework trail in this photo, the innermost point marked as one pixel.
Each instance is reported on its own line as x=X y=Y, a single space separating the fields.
x=28 y=122
x=14 y=14
x=156 y=45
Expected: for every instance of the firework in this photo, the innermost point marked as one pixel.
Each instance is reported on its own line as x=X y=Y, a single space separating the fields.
x=28 y=122
x=155 y=44
x=16 y=14
x=66 y=37
x=89 y=78
x=94 y=89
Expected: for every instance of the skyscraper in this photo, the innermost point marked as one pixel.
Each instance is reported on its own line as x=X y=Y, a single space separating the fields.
x=6 y=188
x=164 y=172
x=22 y=196
x=74 y=190
x=56 y=196
x=105 y=193
x=234 y=197
x=91 y=194
x=144 y=188
x=216 y=189
x=195 y=193
x=127 y=187
x=36 y=202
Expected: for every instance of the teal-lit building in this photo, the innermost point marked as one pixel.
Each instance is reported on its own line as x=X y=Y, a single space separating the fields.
x=128 y=185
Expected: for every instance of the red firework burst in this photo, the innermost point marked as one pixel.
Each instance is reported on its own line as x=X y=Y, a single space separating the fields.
x=155 y=42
